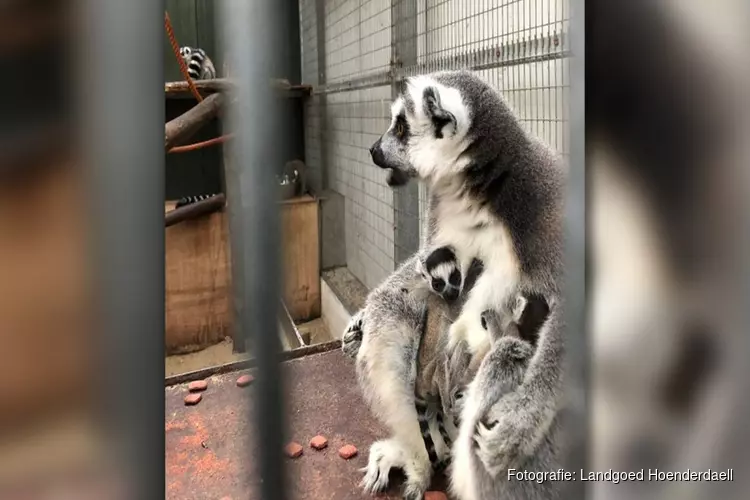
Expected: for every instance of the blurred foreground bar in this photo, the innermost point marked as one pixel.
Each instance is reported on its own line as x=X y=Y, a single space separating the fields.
x=47 y=441
x=121 y=93
x=667 y=123
x=254 y=38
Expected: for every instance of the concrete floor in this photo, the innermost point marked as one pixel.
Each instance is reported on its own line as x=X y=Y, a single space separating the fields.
x=347 y=288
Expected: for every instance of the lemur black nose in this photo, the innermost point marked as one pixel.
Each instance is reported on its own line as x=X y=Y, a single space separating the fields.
x=374 y=148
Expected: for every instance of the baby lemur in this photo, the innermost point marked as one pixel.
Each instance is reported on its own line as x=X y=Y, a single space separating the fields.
x=474 y=474
x=441 y=375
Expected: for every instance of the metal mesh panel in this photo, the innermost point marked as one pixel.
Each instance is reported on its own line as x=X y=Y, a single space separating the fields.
x=356 y=53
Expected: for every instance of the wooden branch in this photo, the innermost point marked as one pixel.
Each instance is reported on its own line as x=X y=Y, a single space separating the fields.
x=188 y=123
x=195 y=210
x=173 y=89
x=207 y=87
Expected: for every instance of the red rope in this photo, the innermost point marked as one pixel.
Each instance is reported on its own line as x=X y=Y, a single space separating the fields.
x=180 y=60
x=203 y=144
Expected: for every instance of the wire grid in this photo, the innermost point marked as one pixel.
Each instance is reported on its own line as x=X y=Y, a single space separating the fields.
x=356 y=52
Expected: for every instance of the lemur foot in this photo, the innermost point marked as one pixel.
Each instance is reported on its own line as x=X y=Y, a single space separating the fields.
x=502 y=440
x=351 y=341
x=384 y=456
x=442 y=272
x=413 y=491
x=417 y=481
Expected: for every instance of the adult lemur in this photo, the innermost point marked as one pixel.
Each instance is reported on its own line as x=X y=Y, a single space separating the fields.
x=496 y=194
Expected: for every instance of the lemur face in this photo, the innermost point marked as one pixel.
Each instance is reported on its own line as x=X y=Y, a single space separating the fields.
x=427 y=134
x=186 y=51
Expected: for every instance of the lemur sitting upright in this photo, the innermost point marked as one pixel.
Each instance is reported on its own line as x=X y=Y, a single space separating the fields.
x=495 y=194
x=199 y=65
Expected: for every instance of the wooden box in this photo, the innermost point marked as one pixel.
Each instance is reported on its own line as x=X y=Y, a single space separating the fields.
x=198 y=274
x=198 y=283
x=300 y=257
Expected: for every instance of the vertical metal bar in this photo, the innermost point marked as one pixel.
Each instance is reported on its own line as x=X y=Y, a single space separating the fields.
x=320 y=26
x=253 y=29
x=405 y=198
x=121 y=101
x=575 y=231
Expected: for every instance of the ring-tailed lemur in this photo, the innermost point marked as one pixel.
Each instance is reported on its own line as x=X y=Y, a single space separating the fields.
x=199 y=65
x=497 y=191
x=500 y=189
x=440 y=377
x=474 y=473
x=385 y=337
x=189 y=200
x=497 y=195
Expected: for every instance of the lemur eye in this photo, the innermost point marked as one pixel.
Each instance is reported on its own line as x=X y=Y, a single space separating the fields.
x=400 y=129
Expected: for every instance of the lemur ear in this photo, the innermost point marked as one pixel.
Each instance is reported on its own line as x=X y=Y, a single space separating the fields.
x=440 y=116
x=519 y=306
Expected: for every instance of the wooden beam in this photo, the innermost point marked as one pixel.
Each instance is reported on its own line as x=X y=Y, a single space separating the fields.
x=208 y=87
x=195 y=210
x=184 y=126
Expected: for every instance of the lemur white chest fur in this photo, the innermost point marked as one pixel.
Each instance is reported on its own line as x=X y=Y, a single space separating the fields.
x=474 y=232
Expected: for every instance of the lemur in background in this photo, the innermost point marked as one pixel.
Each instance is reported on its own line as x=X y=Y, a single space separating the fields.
x=199 y=65
x=496 y=194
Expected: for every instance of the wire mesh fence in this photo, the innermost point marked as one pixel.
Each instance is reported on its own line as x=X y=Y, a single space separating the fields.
x=357 y=52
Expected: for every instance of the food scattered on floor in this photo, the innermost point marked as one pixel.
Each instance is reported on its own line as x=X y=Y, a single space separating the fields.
x=347 y=451
x=319 y=442
x=193 y=398
x=245 y=380
x=435 y=495
x=197 y=386
x=293 y=450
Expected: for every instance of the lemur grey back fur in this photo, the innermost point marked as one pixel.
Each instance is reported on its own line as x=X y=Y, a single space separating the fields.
x=199 y=65
x=495 y=195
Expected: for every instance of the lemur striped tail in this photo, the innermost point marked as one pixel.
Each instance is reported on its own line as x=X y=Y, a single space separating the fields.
x=199 y=65
x=189 y=200
x=424 y=416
